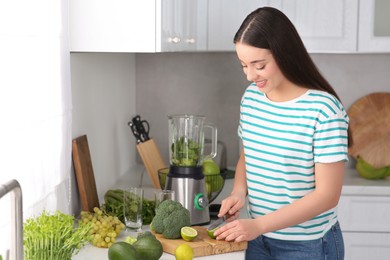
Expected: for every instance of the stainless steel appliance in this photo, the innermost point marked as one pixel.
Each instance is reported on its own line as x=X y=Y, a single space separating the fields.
x=185 y=176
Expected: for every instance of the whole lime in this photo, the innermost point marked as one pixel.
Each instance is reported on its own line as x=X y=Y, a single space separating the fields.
x=211 y=168
x=184 y=252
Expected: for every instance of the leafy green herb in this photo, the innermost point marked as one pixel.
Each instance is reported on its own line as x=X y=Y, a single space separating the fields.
x=114 y=206
x=52 y=237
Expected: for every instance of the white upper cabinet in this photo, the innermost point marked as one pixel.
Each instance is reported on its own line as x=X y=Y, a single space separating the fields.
x=112 y=25
x=348 y=26
x=374 y=26
x=224 y=19
x=178 y=25
x=133 y=26
x=324 y=25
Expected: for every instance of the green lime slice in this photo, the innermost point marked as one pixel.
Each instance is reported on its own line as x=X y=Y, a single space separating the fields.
x=188 y=233
x=211 y=232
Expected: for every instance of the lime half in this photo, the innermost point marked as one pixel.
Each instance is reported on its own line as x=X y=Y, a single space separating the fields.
x=188 y=233
x=211 y=232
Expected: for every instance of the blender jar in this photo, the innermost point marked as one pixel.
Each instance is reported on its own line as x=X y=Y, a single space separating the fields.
x=186 y=140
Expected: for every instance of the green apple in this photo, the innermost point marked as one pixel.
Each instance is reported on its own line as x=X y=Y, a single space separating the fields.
x=211 y=168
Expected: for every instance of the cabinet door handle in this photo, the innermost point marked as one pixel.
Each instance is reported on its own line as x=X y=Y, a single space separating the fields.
x=174 y=39
x=190 y=41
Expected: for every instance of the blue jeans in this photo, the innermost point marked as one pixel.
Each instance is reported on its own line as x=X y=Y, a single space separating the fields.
x=329 y=247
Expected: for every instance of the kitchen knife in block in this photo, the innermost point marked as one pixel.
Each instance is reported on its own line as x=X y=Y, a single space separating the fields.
x=152 y=159
x=84 y=173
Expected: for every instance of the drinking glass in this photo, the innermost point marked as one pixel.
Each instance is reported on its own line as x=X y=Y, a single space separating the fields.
x=161 y=195
x=132 y=208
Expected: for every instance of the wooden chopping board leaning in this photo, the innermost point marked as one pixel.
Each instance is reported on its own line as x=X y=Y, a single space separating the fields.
x=84 y=173
x=370 y=129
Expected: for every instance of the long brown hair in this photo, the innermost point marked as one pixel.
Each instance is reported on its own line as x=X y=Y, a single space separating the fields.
x=269 y=28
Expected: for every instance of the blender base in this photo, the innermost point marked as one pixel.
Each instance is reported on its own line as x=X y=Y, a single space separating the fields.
x=190 y=191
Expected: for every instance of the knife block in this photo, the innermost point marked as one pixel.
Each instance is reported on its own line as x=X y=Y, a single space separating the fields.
x=152 y=159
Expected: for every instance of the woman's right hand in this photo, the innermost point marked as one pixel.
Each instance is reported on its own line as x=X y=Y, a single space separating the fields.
x=231 y=206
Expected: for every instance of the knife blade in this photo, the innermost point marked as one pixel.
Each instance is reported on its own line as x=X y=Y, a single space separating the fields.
x=217 y=223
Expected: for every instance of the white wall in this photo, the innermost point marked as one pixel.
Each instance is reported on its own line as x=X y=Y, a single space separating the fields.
x=103 y=92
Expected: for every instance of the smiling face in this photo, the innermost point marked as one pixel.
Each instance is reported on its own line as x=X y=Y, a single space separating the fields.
x=260 y=67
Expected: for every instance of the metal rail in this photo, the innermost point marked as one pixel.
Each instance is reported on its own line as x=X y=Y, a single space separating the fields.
x=17 y=217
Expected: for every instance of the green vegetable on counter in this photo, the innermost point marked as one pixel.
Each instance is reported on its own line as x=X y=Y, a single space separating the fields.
x=53 y=236
x=113 y=204
x=122 y=251
x=368 y=171
x=185 y=152
x=146 y=246
x=170 y=217
x=131 y=240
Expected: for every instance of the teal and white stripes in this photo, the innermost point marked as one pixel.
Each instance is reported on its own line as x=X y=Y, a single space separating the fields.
x=282 y=142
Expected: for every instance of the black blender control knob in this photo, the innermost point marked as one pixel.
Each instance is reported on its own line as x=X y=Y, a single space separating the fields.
x=200 y=201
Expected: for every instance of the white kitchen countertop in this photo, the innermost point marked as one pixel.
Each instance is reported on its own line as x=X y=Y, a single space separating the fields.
x=358 y=186
x=353 y=185
x=90 y=252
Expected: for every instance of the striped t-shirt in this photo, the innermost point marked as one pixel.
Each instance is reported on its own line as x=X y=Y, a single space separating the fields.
x=282 y=141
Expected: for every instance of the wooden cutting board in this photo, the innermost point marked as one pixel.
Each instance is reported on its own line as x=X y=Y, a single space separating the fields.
x=370 y=129
x=84 y=173
x=203 y=245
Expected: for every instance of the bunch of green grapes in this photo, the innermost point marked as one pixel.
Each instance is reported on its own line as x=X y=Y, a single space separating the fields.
x=104 y=228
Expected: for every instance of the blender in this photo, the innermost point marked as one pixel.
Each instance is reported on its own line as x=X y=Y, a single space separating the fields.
x=185 y=176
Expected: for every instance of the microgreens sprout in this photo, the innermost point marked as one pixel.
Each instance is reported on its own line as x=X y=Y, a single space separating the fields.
x=53 y=236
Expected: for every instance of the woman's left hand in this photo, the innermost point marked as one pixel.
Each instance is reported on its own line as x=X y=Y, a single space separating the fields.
x=238 y=230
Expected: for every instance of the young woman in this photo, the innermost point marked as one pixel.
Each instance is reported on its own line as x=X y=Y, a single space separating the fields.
x=294 y=131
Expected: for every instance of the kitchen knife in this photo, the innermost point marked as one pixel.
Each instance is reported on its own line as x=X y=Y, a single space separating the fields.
x=142 y=127
x=217 y=223
x=135 y=132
